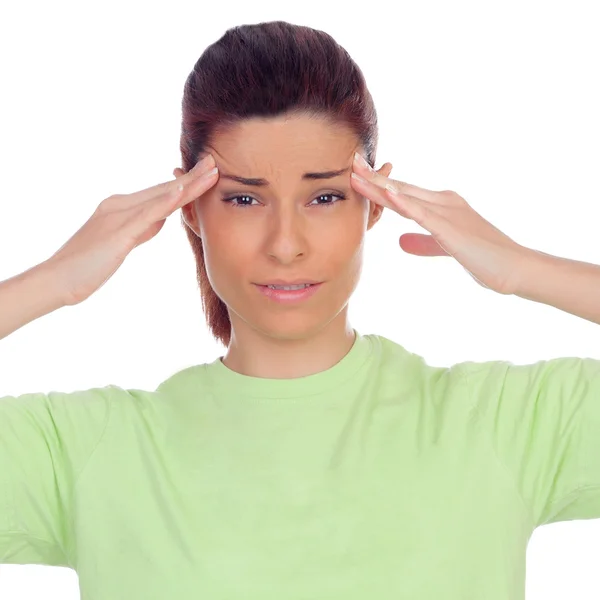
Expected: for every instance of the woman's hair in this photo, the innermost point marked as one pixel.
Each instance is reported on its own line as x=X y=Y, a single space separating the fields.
x=266 y=70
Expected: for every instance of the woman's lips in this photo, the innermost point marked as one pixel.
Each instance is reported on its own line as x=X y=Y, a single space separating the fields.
x=287 y=296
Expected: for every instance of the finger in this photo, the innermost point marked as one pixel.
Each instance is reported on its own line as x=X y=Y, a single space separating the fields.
x=373 y=193
x=385 y=170
x=406 y=206
x=167 y=187
x=164 y=205
x=196 y=188
x=421 y=245
x=367 y=172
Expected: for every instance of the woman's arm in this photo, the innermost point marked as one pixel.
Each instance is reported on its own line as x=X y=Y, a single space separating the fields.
x=28 y=296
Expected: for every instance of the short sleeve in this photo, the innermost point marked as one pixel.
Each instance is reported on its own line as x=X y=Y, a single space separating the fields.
x=544 y=423
x=46 y=441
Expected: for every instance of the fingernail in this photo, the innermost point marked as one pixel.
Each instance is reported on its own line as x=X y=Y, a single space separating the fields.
x=390 y=188
x=206 y=161
x=210 y=173
x=361 y=161
x=358 y=178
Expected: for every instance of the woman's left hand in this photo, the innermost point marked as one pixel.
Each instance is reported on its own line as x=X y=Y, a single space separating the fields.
x=494 y=260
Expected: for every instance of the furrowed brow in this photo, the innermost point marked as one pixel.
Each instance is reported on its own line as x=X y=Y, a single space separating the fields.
x=263 y=182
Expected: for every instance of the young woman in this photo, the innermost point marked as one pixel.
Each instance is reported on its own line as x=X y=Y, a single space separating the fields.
x=310 y=460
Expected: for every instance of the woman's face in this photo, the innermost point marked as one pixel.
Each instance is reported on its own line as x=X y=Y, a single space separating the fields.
x=290 y=229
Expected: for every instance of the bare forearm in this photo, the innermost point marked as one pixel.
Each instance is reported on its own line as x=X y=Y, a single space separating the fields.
x=28 y=296
x=569 y=285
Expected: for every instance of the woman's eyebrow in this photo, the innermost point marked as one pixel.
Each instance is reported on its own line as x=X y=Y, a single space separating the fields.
x=264 y=182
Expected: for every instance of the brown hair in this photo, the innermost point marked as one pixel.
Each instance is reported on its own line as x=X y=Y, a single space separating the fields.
x=266 y=70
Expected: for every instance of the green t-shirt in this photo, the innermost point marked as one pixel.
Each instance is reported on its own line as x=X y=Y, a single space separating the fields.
x=381 y=477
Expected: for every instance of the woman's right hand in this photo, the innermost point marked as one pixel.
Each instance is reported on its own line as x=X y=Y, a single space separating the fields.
x=121 y=223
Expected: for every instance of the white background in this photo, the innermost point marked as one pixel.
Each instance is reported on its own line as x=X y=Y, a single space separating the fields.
x=496 y=101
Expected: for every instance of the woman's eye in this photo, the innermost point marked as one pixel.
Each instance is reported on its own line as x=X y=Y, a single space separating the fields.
x=232 y=198
x=243 y=201
x=340 y=196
